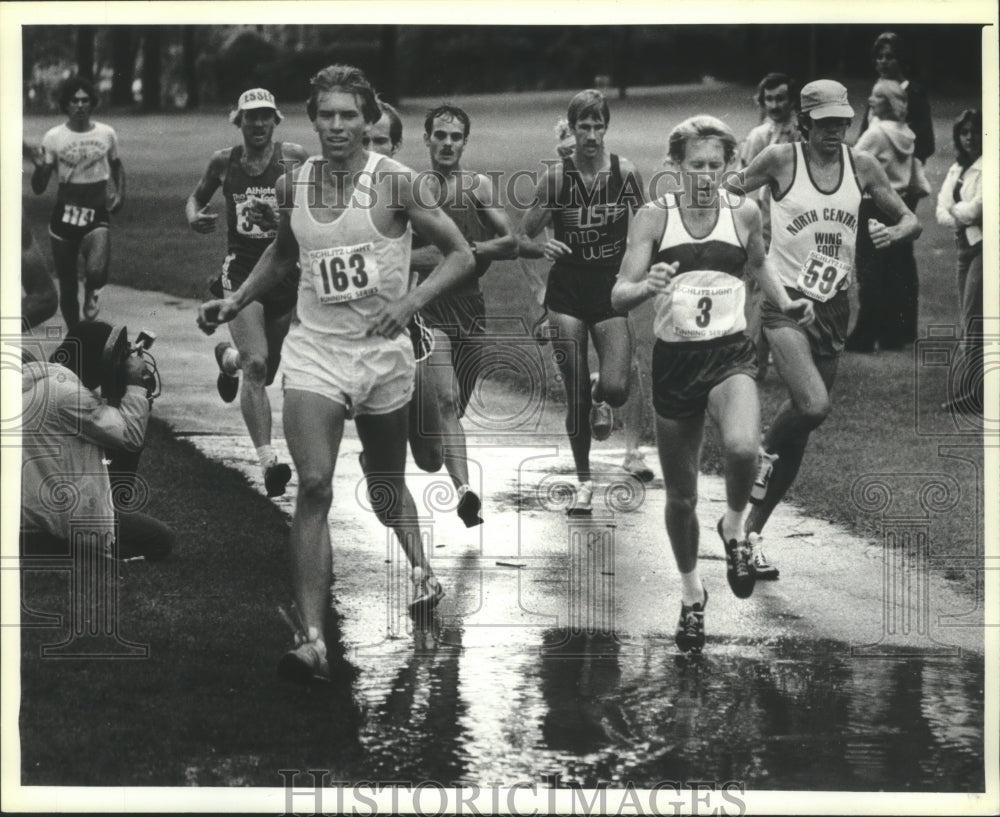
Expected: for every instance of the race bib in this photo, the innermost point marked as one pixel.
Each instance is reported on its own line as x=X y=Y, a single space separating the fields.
x=245 y=225
x=703 y=309
x=342 y=274
x=821 y=277
x=78 y=216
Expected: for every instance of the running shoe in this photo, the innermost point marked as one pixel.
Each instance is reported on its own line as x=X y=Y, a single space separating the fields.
x=468 y=510
x=602 y=419
x=276 y=477
x=762 y=568
x=91 y=309
x=541 y=330
x=427 y=594
x=739 y=574
x=690 y=635
x=227 y=384
x=635 y=464
x=582 y=502
x=765 y=468
x=305 y=663
x=422 y=338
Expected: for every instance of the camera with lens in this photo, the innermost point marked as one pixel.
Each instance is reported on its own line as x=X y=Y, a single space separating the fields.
x=117 y=351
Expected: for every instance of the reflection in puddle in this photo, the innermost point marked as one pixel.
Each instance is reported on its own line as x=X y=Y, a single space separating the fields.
x=568 y=709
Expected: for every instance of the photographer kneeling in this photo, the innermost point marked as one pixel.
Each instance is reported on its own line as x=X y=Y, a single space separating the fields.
x=83 y=445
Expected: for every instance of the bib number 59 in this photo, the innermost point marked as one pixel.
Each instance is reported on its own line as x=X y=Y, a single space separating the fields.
x=819 y=277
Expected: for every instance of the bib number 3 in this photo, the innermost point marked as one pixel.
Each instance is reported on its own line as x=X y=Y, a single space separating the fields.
x=821 y=277
x=344 y=274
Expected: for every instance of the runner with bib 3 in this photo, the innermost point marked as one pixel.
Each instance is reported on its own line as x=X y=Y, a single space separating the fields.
x=689 y=251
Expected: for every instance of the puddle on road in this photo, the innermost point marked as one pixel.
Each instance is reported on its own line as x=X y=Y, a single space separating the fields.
x=590 y=710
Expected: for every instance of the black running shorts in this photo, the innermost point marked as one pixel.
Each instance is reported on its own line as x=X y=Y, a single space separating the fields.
x=826 y=334
x=582 y=293
x=684 y=373
x=71 y=222
x=276 y=301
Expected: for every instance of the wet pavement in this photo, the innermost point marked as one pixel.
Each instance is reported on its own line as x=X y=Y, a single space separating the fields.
x=551 y=660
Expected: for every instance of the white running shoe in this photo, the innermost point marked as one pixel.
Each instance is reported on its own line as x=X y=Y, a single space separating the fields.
x=758 y=561
x=582 y=502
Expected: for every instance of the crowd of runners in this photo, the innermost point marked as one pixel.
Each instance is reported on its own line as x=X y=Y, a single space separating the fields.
x=368 y=301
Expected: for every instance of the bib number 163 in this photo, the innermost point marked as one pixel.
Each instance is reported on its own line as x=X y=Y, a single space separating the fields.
x=339 y=274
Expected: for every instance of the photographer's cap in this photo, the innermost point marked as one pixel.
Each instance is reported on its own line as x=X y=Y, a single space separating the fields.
x=825 y=99
x=255 y=98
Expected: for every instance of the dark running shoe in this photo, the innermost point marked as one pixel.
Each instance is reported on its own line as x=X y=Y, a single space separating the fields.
x=421 y=337
x=427 y=594
x=227 y=384
x=690 y=635
x=739 y=573
x=468 y=509
x=305 y=664
x=276 y=478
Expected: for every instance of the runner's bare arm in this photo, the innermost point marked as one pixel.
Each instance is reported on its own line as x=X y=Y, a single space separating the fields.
x=490 y=203
x=638 y=278
x=749 y=224
x=539 y=216
x=632 y=189
x=196 y=209
x=764 y=169
x=118 y=177
x=43 y=170
x=277 y=262
x=875 y=182
x=456 y=265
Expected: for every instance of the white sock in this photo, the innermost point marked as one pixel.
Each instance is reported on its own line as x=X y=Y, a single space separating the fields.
x=462 y=490
x=231 y=360
x=266 y=456
x=692 y=591
x=734 y=521
x=313 y=636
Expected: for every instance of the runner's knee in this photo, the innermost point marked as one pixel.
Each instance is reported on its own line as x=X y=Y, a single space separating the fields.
x=254 y=367
x=682 y=504
x=315 y=488
x=428 y=458
x=815 y=410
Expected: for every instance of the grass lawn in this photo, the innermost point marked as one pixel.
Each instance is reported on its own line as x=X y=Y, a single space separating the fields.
x=873 y=427
x=208 y=616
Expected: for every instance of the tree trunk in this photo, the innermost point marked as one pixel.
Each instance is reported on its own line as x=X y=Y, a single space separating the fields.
x=85 y=51
x=152 y=67
x=387 y=85
x=190 y=56
x=122 y=65
x=623 y=61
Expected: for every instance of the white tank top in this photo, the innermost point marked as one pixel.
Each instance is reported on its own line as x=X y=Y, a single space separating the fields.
x=349 y=269
x=813 y=234
x=706 y=299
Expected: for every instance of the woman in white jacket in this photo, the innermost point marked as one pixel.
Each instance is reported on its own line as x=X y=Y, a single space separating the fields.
x=960 y=205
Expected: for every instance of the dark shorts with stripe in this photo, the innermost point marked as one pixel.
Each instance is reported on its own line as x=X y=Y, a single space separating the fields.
x=71 y=222
x=583 y=293
x=276 y=301
x=684 y=373
x=462 y=318
x=826 y=334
